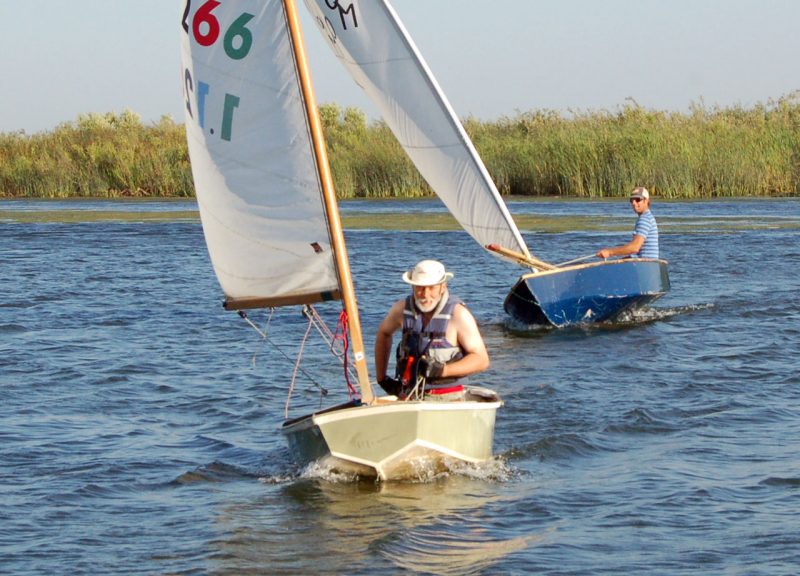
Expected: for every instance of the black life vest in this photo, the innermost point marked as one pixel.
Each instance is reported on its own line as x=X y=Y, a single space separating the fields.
x=430 y=341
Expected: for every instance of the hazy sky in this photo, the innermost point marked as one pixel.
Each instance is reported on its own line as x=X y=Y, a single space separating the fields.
x=493 y=58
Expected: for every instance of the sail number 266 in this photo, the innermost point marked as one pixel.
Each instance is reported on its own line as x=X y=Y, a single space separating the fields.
x=237 y=40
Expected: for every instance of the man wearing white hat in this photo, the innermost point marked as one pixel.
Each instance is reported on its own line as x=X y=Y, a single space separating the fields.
x=644 y=243
x=441 y=342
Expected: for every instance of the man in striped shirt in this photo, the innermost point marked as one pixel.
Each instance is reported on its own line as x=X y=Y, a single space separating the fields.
x=644 y=243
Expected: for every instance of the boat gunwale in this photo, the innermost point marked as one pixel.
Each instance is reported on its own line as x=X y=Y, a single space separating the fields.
x=383 y=403
x=615 y=261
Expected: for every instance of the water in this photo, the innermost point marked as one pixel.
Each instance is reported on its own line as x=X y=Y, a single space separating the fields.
x=138 y=432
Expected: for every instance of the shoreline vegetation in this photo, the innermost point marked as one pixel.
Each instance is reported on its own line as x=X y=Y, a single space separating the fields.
x=704 y=153
x=399 y=220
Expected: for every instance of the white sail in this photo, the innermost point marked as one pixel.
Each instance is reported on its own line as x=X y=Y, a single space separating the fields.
x=252 y=159
x=369 y=39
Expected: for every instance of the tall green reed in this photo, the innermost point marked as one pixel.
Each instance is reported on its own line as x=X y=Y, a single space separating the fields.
x=703 y=153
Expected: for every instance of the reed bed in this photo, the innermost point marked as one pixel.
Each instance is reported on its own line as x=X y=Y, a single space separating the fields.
x=706 y=152
x=99 y=155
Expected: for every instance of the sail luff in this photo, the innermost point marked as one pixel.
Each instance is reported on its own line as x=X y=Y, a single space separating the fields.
x=329 y=196
x=459 y=128
x=370 y=41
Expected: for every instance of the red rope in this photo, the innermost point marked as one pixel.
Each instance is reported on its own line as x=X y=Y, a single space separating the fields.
x=342 y=334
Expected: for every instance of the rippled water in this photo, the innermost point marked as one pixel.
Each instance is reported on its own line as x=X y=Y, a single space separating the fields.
x=138 y=432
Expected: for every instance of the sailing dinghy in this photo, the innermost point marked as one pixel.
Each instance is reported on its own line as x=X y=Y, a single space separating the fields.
x=370 y=41
x=274 y=236
x=587 y=293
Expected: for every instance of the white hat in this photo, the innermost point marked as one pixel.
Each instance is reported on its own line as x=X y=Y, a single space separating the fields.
x=427 y=273
x=640 y=192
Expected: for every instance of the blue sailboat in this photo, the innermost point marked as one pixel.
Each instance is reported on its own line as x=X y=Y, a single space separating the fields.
x=415 y=108
x=587 y=293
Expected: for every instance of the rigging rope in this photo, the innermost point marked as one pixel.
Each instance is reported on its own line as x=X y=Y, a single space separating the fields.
x=330 y=338
x=265 y=337
x=341 y=335
x=575 y=260
x=296 y=368
x=262 y=333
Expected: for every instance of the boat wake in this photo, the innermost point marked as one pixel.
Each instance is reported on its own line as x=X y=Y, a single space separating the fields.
x=644 y=315
x=214 y=472
x=493 y=470
x=651 y=314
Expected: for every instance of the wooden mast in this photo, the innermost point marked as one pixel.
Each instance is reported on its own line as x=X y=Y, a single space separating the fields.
x=329 y=196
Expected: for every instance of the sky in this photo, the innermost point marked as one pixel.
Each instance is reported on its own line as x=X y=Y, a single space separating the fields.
x=493 y=58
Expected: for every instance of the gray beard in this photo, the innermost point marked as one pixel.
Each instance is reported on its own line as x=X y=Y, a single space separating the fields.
x=428 y=308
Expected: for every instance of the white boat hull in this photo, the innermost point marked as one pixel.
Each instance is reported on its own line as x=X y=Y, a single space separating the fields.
x=395 y=439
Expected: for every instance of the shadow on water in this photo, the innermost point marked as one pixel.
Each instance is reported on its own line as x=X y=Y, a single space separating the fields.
x=440 y=527
x=445 y=524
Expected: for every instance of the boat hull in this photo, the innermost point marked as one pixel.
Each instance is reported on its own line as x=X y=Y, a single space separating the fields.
x=587 y=293
x=395 y=439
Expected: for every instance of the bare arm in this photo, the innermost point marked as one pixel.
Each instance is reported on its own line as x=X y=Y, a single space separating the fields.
x=383 y=338
x=476 y=358
x=631 y=247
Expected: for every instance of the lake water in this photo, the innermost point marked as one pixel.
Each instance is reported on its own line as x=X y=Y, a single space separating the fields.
x=139 y=423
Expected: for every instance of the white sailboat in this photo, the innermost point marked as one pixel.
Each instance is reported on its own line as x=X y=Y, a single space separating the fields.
x=273 y=232
x=370 y=41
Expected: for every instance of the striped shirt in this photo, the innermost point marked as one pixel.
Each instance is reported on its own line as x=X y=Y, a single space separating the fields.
x=647 y=228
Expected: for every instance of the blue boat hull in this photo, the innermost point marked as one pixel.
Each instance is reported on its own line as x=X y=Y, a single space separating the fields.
x=587 y=293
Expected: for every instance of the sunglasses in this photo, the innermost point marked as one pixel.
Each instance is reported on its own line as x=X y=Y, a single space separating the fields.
x=636 y=200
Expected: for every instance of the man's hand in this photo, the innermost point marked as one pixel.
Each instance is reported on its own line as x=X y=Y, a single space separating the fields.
x=390 y=385
x=430 y=369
